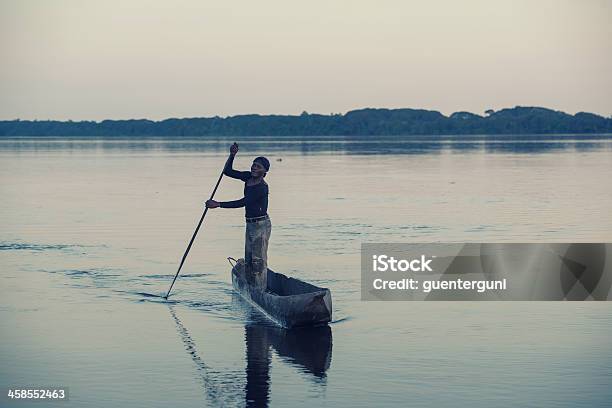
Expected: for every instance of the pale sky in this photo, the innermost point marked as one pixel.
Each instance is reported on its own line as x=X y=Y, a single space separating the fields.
x=119 y=59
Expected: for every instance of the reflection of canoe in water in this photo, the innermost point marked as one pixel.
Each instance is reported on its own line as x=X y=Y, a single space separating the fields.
x=289 y=302
x=309 y=348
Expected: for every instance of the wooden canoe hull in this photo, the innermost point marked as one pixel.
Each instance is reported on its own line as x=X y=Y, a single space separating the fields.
x=288 y=302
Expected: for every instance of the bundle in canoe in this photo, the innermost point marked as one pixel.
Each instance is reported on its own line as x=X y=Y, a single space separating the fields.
x=288 y=302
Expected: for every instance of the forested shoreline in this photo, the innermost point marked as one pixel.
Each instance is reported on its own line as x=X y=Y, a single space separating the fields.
x=369 y=121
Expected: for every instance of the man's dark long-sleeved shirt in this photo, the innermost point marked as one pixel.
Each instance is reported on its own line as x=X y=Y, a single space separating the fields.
x=255 y=198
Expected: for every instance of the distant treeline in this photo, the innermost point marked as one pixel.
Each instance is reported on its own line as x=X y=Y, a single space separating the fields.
x=518 y=120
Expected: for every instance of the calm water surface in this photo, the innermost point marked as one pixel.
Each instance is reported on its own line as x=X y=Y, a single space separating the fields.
x=91 y=227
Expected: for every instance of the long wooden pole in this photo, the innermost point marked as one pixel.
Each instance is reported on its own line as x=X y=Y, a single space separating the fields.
x=195 y=232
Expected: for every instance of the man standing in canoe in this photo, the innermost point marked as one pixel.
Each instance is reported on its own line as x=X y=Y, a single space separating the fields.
x=258 y=225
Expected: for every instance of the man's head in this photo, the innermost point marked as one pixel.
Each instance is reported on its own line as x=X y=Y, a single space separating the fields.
x=260 y=167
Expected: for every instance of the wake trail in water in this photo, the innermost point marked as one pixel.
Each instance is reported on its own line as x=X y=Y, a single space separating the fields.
x=341 y=320
x=201 y=291
x=25 y=246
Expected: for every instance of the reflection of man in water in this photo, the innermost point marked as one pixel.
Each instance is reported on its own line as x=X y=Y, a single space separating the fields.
x=309 y=348
x=257 y=389
x=258 y=225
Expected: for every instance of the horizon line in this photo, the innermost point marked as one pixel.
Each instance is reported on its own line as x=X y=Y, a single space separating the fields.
x=304 y=112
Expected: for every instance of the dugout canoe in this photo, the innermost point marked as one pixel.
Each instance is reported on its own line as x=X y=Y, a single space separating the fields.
x=288 y=302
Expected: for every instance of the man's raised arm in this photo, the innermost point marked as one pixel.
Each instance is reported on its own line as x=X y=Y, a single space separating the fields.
x=229 y=170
